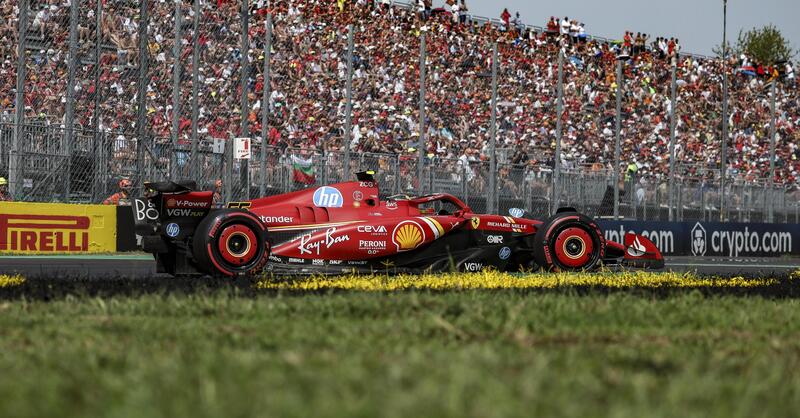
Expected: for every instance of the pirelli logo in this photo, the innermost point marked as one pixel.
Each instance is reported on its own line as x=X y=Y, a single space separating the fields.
x=44 y=233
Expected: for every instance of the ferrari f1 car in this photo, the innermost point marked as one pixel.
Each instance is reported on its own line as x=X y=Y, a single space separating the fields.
x=345 y=227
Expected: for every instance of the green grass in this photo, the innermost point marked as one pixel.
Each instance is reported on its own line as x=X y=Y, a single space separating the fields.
x=406 y=354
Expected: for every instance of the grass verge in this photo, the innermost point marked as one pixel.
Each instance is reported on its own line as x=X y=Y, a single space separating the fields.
x=421 y=351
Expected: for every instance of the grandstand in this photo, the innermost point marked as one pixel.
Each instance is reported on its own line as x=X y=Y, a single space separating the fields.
x=125 y=124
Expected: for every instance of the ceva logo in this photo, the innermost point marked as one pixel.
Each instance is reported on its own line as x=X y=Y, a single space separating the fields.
x=699 y=240
x=328 y=197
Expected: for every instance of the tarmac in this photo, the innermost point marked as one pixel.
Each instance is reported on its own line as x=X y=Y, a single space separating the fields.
x=99 y=267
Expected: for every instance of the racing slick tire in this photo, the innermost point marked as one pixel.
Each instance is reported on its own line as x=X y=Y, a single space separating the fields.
x=231 y=243
x=569 y=241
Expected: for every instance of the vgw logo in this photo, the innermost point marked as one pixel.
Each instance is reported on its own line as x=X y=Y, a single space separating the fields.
x=328 y=197
x=699 y=240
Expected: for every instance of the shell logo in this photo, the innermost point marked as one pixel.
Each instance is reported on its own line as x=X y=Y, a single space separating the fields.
x=408 y=235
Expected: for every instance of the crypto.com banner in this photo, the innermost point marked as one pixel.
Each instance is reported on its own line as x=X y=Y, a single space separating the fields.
x=712 y=239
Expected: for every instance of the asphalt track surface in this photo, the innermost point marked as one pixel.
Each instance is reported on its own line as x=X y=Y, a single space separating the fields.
x=99 y=267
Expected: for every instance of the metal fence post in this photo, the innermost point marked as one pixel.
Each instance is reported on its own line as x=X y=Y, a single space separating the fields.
x=771 y=180
x=262 y=186
x=194 y=164
x=348 y=114
x=244 y=166
x=176 y=89
x=724 y=152
x=672 y=162
x=491 y=204
x=141 y=95
x=617 y=139
x=14 y=159
x=69 y=114
x=559 y=110
x=421 y=151
x=100 y=167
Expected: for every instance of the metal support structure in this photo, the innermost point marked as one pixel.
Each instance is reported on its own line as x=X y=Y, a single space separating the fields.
x=617 y=130
x=100 y=167
x=141 y=95
x=14 y=158
x=421 y=150
x=672 y=162
x=772 y=134
x=491 y=204
x=69 y=113
x=176 y=89
x=724 y=153
x=265 y=93
x=194 y=161
x=559 y=111
x=348 y=113
x=244 y=169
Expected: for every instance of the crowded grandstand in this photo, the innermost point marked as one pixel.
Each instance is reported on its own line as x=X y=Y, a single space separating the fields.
x=307 y=102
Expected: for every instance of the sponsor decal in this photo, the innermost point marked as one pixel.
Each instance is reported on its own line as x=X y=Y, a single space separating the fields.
x=357 y=195
x=636 y=249
x=476 y=222
x=372 y=246
x=334 y=262
x=44 y=233
x=408 y=235
x=494 y=239
x=375 y=214
x=366 y=184
x=507 y=225
x=357 y=262
x=505 y=253
x=297 y=260
x=179 y=203
x=317 y=262
x=372 y=229
x=391 y=205
x=276 y=219
x=328 y=197
x=275 y=258
x=473 y=267
x=307 y=246
x=172 y=230
x=144 y=210
x=184 y=213
x=516 y=212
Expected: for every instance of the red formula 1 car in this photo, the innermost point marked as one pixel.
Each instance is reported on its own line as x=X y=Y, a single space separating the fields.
x=345 y=227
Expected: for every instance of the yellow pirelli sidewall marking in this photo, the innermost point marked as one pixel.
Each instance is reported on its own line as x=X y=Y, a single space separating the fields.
x=50 y=228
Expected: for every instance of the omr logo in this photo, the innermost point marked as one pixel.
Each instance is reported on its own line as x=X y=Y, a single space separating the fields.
x=698 y=240
x=328 y=197
x=44 y=233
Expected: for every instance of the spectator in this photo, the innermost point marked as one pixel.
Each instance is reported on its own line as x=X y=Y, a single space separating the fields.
x=4 y=195
x=122 y=197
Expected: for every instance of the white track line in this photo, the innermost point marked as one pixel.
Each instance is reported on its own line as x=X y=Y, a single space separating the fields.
x=734 y=265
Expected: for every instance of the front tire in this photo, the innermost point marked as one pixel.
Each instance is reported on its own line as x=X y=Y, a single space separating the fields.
x=231 y=243
x=569 y=241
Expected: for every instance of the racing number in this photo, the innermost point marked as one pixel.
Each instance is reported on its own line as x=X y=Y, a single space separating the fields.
x=238 y=205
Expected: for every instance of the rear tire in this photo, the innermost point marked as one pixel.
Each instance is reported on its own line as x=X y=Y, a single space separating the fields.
x=569 y=241
x=231 y=243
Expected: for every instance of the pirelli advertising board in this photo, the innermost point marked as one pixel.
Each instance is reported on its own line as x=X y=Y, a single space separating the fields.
x=53 y=228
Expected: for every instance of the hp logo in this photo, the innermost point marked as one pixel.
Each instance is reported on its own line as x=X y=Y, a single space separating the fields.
x=328 y=197
x=505 y=252
x=516 y=212
x=173 y=230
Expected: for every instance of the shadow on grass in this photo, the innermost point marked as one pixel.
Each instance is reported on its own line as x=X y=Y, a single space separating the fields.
x=46 y=289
